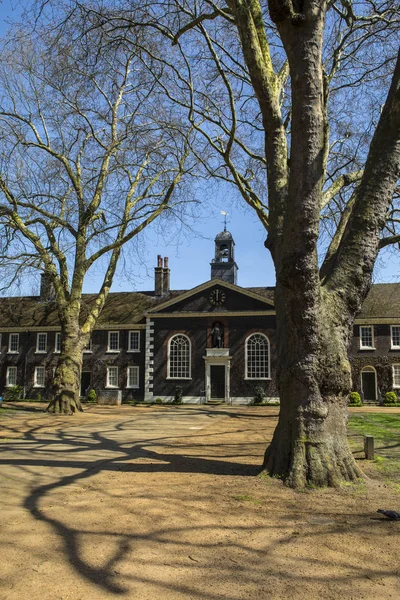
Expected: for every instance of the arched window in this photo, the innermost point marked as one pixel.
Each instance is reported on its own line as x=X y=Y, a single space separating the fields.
x=257 y=356
x=179 y=357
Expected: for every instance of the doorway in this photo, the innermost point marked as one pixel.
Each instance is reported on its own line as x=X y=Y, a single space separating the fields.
x=86 y=380
x=217 y=376
x=368 y=383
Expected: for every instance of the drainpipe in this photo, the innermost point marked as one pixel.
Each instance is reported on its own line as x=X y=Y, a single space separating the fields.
x=25 y=361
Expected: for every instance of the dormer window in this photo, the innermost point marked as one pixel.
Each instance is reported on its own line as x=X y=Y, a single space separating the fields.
x=367 y=337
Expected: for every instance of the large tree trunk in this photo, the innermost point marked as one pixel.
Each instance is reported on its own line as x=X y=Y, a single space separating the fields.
x=309 y=447
x=67 y=378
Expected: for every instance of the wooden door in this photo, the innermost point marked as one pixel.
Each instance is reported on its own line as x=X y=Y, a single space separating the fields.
x=368 y=379
x=217 y=375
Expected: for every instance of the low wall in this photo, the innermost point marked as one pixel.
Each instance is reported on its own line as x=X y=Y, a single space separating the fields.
x=110 y=397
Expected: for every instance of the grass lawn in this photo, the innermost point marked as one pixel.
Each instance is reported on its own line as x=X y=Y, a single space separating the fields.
x=385 y=428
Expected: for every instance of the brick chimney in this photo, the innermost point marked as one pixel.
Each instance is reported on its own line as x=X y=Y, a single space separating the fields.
x=161 y=277
x=166 y=281
x=46 y=288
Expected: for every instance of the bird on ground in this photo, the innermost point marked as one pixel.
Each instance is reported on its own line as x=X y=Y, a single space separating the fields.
x=390 y=514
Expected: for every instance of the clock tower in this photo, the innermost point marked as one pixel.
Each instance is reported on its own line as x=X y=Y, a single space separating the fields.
x=223 y=265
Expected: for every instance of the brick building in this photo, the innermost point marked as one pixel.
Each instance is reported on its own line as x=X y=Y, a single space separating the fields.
x=215 y=341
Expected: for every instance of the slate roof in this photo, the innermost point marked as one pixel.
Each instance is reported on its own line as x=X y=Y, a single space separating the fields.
x=265 y=292
x=121 y=308
x=29 y=311
x=383 y=301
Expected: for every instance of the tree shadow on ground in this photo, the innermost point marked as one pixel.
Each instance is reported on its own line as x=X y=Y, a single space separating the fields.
x=16 y=406
x=98 y=451
x=116 y=457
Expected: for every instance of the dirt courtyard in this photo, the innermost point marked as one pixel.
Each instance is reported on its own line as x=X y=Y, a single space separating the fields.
x=166 y=503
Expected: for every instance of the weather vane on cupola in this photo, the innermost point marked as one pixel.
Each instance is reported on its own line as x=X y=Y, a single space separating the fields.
x=225 y=216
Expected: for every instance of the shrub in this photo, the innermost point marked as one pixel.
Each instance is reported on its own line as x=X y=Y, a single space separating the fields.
x=355 y=399
x=13 y=394
x=178 y=395
x=158 y=401
x=92 y=396
x=390 y=399
x=259 y=395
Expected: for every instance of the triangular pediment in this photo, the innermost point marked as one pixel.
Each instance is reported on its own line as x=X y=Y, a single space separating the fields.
x=216 y=296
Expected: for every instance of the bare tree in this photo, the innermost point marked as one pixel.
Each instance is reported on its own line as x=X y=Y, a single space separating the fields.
x=306 y=174
x=90 y=156
x=293 y=94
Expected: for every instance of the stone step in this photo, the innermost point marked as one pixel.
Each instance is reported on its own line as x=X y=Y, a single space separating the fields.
x=215 y=402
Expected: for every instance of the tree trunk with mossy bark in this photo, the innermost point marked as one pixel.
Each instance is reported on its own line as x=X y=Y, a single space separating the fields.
x=310 y=447
x=67 y=378
x=315 y=309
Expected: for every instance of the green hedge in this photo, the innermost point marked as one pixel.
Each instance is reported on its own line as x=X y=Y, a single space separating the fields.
x=355 y=399
x=390 y=399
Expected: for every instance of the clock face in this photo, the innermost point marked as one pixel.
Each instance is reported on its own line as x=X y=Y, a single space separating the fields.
x=217 y=297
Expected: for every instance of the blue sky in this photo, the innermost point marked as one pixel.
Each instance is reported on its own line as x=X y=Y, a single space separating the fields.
x=190 y=254
x=9 y=10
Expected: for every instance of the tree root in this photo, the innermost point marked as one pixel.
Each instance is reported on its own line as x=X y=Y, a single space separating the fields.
x=309 y=464
x=64 y=405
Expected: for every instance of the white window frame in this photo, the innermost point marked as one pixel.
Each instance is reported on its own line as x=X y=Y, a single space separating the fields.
x=109 y=349
x=57 y=342
x=13 y=336
x=37 y=384
x=89 y=347
x=396 y=367
x=371 y=328
x=8 y=373
x=169 y=376
x=246 y=358
x=108 y=384
x=392 y=345
x=37 y=343
x=130 y=348
x=134 y=369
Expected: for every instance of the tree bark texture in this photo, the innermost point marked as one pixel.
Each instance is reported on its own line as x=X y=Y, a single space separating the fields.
x=314 y=321
x=67 y=378
x=315 y=308
x=309 y=446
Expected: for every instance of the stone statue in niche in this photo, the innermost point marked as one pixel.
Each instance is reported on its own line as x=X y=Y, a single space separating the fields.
x=217 y=333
